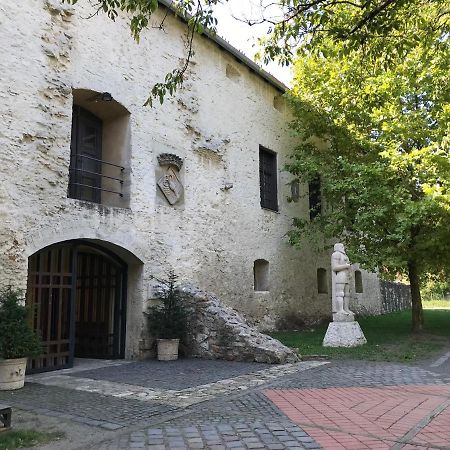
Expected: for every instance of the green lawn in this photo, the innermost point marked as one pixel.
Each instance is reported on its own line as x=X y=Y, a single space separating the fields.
x=436 y=304
x=12 y=439
x=389 y=338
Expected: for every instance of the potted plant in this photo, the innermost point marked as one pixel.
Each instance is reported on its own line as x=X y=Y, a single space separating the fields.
x=167 y=320
x=17 y=340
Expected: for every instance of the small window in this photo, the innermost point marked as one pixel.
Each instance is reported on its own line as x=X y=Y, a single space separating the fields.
x=315 y=198
x=322 y=284
x=261 y=275
x=268 y=179
x=358 y=282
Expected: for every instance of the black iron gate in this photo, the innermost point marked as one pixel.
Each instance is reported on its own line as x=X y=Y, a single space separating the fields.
x=77 y=295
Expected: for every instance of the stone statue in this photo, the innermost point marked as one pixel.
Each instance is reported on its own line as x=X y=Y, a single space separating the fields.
x=344 y=331
x=340 y=266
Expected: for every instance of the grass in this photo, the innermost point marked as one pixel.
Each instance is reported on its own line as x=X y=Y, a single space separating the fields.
x=389 y=338
x=12 y=439
x=436 y=304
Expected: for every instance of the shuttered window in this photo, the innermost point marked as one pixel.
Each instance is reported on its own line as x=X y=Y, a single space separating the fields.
x=268 y=179
x=315 y=198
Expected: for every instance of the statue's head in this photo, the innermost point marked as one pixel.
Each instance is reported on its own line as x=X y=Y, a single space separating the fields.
x=339 y=247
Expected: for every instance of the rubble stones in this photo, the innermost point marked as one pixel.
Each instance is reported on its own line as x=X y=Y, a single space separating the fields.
x=217 y=331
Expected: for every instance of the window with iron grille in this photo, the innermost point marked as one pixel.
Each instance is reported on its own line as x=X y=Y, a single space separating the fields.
x=315 y=198
x=268 y=179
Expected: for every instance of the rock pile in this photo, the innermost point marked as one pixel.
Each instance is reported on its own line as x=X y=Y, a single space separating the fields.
x=217 y=331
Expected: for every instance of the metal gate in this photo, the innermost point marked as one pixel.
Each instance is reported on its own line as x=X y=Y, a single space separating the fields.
x=77 y=295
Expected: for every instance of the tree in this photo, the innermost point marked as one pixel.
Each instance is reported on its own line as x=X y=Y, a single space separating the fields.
x=380 y=141
x=381 y=28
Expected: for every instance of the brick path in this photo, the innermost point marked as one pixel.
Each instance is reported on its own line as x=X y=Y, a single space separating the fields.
x=370 y=418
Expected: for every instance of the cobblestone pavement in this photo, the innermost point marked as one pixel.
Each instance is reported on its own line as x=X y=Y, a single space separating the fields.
x=180 y=374
x=339 y=405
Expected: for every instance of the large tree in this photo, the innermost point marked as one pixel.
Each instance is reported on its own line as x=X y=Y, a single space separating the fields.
x=381 y=28
x=379 y=140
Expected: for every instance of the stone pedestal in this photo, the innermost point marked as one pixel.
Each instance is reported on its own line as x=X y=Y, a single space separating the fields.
x=342 y=317
x=344 y=334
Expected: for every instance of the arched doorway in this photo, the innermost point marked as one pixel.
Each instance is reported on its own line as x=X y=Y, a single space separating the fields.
x=77 y=295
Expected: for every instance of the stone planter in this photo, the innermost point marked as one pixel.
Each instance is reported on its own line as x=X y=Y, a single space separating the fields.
x=167 y=349
x=12 y=373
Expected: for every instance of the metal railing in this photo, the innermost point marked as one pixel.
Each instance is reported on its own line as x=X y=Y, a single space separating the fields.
x=84 y=166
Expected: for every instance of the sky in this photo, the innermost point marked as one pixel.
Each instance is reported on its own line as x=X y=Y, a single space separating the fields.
x=243 y=36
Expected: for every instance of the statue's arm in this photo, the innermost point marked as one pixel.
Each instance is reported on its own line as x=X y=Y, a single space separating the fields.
x=337 y=267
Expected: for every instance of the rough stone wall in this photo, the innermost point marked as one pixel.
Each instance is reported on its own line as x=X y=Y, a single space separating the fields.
x=395 y=296
x=368 y=302
x=215 y=123
x=217 y=331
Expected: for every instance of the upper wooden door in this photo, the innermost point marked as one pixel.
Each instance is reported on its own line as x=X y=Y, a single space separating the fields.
x=86 y=156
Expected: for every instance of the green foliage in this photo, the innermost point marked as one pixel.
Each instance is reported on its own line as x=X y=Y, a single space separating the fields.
x=436 y=286
x=168 y=320
x=386 y=29
x=10 y=440
x=379 y=140
x=389 y=338
x=17 y=339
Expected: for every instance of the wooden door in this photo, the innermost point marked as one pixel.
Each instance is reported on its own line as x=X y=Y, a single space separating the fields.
x=77 y=297
x=85 y=156
x=49 y=296
x=99 y=306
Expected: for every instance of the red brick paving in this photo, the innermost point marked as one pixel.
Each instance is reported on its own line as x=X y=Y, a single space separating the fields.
x=369 y=417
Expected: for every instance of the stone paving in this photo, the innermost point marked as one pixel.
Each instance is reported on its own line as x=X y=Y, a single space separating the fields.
x=307 y=405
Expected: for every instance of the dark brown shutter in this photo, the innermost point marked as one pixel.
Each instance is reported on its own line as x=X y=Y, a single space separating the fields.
x=268 y=179
x=85 y=156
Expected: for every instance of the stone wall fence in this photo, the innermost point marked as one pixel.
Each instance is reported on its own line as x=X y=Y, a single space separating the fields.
x=394 y=296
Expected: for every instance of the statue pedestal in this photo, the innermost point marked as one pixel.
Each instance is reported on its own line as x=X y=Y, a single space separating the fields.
x=342 y=317
x=344 y=334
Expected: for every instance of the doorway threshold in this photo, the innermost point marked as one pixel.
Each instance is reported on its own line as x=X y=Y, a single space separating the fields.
x=80 y=365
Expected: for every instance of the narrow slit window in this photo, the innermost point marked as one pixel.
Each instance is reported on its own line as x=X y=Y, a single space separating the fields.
x=315 y=198
x=268 y=179
x=322 y=284
x=261 y=275
x=358 y=282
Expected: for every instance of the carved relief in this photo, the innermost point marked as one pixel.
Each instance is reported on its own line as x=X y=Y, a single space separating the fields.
x=169 y=182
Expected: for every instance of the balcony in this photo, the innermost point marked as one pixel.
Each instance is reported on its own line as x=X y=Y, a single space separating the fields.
x=95 y=180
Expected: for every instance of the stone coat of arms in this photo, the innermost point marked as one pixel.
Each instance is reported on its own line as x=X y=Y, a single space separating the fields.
x=169 y=183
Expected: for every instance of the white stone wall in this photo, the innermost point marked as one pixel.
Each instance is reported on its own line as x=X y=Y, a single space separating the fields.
x=215 y=124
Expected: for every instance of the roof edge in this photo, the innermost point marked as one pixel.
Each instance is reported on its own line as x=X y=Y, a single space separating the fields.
x=277 y=84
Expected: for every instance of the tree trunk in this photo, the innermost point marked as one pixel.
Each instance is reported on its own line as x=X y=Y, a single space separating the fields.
x=416 y=300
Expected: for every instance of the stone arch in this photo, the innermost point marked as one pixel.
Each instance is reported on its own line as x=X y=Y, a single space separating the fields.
x=131 y=291
x=123 y=241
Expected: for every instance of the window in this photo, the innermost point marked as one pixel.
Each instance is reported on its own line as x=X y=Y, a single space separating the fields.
x=322 y=284
x=358 y=282
x=268 y=179
x=315 y=198
x=261 y=275
x=99 y=149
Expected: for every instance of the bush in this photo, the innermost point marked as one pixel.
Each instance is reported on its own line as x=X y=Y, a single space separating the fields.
x=17 y=339
x=168 y=319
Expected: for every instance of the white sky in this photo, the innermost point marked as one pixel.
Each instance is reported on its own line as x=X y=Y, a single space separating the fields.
x=243 y=36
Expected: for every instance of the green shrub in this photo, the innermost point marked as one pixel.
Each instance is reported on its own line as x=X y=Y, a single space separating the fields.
x=17 y=339
x=168 y=320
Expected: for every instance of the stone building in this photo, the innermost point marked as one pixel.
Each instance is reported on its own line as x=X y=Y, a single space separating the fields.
x=99 y=194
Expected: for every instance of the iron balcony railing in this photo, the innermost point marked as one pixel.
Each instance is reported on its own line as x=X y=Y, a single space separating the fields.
x=87 y=172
